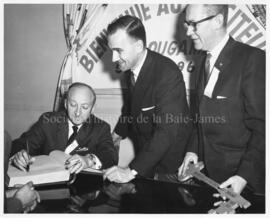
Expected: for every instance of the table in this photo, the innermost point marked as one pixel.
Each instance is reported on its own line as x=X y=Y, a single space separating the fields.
x=90 y=194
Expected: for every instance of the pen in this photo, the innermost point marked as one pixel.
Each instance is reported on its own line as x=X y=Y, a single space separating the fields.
x=27 y=149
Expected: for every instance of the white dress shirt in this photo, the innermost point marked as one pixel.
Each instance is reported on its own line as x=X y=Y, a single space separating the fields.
x=216 y=51
x=136 y=70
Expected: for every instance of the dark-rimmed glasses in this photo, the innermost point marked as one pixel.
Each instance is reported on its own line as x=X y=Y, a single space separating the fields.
x=193 y=24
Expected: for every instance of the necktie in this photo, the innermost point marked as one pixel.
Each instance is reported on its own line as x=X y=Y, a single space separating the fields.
x=207 y=68
x=132 y=83
x=73 y=136
x=132 y=79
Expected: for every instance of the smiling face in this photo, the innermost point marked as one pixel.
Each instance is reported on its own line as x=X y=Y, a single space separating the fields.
x=125 y=50
x=202 y=35
x=79 y=104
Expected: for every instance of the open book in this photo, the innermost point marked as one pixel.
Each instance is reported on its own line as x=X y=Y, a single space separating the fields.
x=45 y=169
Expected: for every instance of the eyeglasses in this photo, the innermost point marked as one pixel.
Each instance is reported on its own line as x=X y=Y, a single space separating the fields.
x=193 y=24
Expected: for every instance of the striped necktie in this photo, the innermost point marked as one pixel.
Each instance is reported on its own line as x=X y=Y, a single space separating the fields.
x=132 y=79
x=73 y=136
x=207 y=68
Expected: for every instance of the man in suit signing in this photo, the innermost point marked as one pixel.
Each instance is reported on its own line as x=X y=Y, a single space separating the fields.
x=229 y=103
x=76 y=131
x=155 y=112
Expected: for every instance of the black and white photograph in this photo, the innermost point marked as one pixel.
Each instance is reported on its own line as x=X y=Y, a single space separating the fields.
x=134 y=107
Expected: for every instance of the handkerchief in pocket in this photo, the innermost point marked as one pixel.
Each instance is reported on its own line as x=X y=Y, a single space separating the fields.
x=221 y=97
x=148 y=108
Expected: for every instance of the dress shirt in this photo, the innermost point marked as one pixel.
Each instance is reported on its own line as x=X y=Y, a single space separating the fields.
x=216 y=51
x=136 y=70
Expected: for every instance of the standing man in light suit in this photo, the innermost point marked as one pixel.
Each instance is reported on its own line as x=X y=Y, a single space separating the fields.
x=156 y=111
x=230 y=90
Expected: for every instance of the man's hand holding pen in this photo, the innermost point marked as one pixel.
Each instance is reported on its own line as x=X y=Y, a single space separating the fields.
x=22 y=160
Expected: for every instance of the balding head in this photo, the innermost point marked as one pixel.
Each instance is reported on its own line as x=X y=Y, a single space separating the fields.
x=83 y=86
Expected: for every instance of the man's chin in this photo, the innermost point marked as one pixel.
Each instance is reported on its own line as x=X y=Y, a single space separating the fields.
x=117 y=70
x=120 y=70
x=197 y=46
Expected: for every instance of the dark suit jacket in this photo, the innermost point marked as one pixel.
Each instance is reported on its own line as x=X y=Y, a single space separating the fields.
x=50 y=132
x=231 y=131
x=159 y=96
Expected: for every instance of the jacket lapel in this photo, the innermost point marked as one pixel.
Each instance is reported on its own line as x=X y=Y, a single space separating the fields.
x=200 y=84
x=222 y=64
x=84 y=131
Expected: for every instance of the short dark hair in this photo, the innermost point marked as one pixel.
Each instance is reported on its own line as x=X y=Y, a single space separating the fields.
x=218 y=9
x=132 y=25
x=79 y=85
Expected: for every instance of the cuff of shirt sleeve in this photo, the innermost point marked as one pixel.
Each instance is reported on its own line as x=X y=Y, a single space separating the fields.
x=134 y=172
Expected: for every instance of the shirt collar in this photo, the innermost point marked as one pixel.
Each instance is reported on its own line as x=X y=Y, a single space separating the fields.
x=217 y=49
x=136 y=70
x=70 y=125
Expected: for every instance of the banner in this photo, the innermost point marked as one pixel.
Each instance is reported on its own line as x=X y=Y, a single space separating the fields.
x=165 y=34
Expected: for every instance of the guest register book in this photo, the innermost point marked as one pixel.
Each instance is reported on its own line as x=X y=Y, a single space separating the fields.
x=45 y=169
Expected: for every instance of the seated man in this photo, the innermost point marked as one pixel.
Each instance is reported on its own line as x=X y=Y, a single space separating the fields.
x=75 y=131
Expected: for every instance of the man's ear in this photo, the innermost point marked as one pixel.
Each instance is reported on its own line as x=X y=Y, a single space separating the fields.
x=139 y=45
x=219 y=20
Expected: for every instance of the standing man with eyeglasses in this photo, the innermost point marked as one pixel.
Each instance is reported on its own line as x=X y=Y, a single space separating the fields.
x=229 y=103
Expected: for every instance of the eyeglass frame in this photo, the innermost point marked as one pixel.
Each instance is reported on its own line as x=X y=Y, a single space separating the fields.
x=194 y=24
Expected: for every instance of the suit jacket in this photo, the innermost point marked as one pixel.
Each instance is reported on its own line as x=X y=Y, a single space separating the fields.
x=230 y=135
x=50 y=132
x=154 y=113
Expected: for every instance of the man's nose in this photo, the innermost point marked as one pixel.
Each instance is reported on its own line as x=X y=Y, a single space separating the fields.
x=115 y=56
x=77 y=111
x=189 y=31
